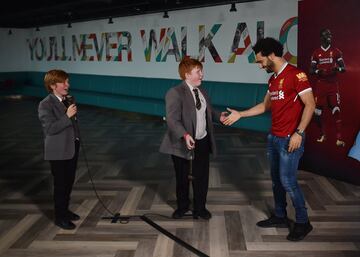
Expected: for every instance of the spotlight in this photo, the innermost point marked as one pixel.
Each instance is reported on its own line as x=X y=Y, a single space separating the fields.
x=10 y=32
x=110 y=20
x=69 y=15
x=233 y=8
x=37 y=28
x=166 y=15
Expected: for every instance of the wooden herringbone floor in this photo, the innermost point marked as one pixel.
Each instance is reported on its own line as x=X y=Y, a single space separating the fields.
x=132 y=177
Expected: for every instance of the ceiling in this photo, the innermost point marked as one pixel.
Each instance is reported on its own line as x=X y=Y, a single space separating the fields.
x=37 y=13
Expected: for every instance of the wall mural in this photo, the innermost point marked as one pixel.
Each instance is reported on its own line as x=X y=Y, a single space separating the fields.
x=115 y=46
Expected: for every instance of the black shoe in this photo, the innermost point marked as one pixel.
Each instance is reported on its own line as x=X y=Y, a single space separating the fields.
x=73 y=216
x=65 y=224
x=299 y=231
x=179 y=213
x=204 y=214
x=274 y=222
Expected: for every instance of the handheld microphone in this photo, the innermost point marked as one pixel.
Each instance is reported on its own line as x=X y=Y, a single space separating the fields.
x=69 y=100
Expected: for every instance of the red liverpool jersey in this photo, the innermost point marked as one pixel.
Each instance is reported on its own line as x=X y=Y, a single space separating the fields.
x=326 y=61
x=286 y=105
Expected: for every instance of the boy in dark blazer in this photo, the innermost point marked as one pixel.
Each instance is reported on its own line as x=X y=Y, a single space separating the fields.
x=190 y=135
x=61 y=140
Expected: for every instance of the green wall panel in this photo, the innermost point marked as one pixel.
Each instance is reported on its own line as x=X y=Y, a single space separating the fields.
x=143 y=95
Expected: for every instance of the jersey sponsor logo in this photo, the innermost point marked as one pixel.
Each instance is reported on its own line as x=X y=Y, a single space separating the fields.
x=277 y=95
x=326 y=60
x=302 y=76
x=281 y=94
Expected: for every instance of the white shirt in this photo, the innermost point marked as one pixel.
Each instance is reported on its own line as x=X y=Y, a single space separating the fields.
x=58 y=97
x=200 y=132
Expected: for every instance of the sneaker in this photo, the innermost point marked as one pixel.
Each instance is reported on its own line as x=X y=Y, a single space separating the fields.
x=274 y=222
x=65 y=224
x=340 y=143
x=204 y=214
x=299 y=231
x=72 y=216
x=179 y=213
x=321 y=139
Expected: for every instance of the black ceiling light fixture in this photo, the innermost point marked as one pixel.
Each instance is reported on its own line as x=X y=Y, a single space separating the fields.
x=110 y=20
x=69 y=14
x=166 y=15
x=233 y=8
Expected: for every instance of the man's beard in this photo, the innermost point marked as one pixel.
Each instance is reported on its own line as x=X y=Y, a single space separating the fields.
x=269 y=66
x=268 y=70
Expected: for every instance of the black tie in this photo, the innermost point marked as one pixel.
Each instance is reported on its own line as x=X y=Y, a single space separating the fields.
x=65 y=103
x=198 y=103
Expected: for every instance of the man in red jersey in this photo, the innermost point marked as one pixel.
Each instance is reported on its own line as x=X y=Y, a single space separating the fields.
x=291 y=102
x=326 y=62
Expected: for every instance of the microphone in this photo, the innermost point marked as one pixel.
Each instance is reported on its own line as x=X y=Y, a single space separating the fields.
x=69 y=100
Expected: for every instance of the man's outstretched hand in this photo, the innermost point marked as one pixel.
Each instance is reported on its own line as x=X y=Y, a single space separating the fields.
x=233 y=117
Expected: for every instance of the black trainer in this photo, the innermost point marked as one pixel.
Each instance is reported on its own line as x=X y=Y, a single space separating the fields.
x=72 y=216
x=274 y=222
x=299 y=231
x=204 y=214
x=179 y=213
x=65 y=224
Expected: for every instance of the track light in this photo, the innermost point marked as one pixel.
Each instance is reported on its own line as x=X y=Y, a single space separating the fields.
x=110 y=20
x=166 y=15
x=233 y=8
x=37 y=28
x=69 y=16
x=9 y=32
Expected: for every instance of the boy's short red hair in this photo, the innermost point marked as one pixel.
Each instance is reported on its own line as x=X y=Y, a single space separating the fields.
x=187 y=64
x=54 y=76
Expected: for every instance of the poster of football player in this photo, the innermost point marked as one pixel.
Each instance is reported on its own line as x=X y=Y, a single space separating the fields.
x=326 y=62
